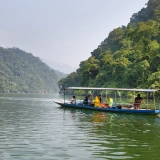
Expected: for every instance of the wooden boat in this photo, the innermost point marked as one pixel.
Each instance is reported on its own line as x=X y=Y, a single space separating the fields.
x=117 y=107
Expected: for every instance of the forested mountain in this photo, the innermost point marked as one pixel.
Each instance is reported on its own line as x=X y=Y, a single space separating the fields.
x=128 y=57
x=60 y=75
x=21 y=72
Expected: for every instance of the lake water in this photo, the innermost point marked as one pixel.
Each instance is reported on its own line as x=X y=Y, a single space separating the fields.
x=33 y=127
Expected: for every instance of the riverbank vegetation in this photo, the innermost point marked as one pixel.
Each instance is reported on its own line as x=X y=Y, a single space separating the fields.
x=129 y=57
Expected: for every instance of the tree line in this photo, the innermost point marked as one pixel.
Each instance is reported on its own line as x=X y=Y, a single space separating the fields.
x=129 y=57
x=21 y=72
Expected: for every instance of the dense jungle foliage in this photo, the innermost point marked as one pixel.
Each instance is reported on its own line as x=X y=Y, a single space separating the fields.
x=129 y=57
x=21 y=72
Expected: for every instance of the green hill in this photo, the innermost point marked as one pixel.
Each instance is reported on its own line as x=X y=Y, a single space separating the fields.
x=21 y=72
x=128 y=57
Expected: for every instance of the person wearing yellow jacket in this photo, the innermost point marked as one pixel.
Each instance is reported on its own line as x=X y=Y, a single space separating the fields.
x=96 y=102
x=109 y=101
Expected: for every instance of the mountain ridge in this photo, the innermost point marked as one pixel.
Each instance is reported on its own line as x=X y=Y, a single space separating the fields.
x=21 y=72
x=129 y=57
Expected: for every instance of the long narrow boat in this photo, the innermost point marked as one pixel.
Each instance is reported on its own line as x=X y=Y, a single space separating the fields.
x=115 y=107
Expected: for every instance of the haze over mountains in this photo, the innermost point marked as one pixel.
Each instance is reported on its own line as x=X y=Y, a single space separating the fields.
x=65 y=68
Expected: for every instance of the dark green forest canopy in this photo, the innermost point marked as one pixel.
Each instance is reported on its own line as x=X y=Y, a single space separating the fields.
x=21 y=72
x=129 y=57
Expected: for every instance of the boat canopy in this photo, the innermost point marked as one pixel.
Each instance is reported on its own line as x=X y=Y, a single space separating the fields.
x=112 y=89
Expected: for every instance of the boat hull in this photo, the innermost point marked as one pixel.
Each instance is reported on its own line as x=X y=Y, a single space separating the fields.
x=114 y=109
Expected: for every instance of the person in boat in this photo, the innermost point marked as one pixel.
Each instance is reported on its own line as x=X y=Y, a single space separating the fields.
x=100 y=98
x=90 y=99
x=85 y=102
x=109 y=101
x=96 y=102
x=101 y=101
x=73 y=100
x=138 y=101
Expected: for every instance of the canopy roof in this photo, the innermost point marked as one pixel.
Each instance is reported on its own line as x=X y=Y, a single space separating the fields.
x=112 y=89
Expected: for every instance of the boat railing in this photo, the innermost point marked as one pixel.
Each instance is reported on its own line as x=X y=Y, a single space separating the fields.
x=131 y=105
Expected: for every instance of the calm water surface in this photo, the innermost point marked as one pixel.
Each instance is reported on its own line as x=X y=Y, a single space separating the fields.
x=33 y=127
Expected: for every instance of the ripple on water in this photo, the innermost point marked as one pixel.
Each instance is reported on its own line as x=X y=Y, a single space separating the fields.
x=33 y=127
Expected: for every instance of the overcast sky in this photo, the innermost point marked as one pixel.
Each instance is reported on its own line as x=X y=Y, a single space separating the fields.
x=63 y=31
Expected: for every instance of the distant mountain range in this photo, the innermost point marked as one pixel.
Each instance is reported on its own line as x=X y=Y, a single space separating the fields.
x=65 y=68
x=21 y=72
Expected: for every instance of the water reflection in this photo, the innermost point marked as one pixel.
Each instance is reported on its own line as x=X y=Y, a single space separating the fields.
x=120 y=136
x=99 y=117
x=33 y=127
